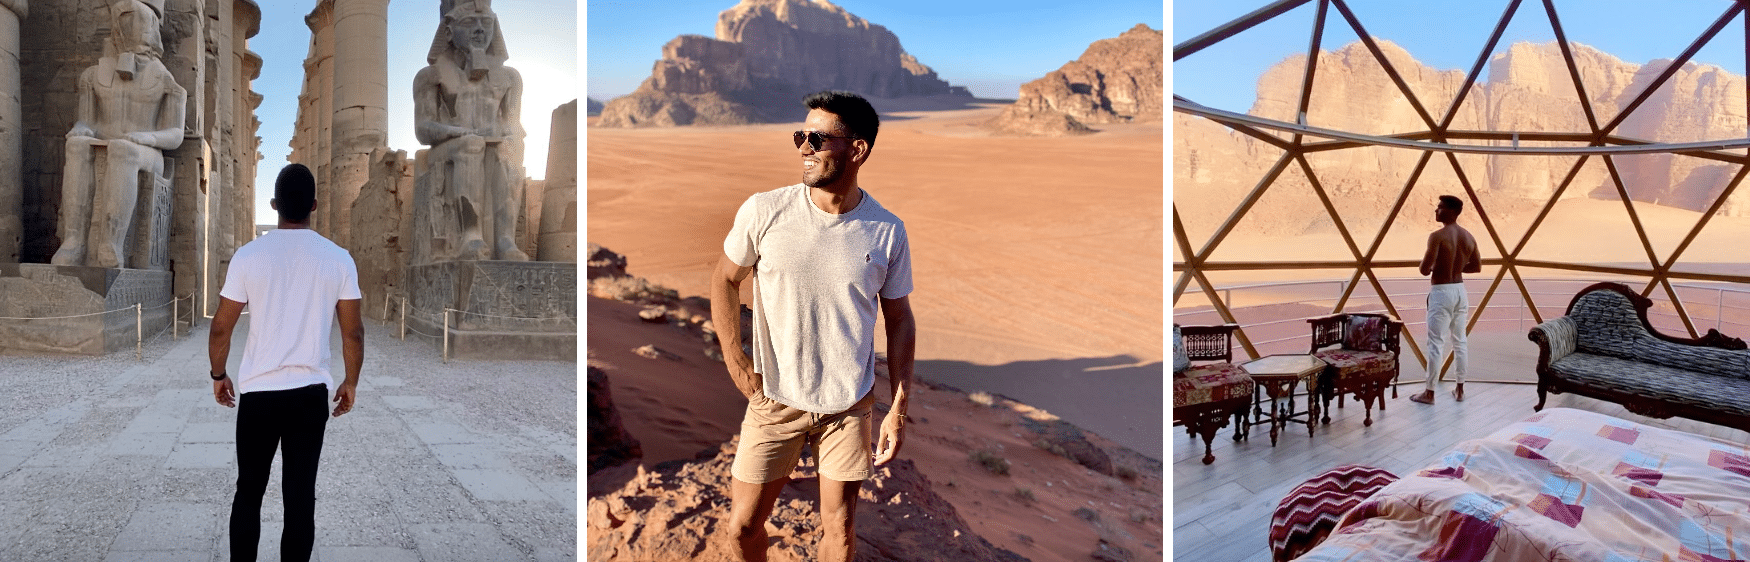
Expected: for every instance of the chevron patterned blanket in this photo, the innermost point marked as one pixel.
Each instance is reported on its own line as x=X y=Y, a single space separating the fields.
x=1561 y=485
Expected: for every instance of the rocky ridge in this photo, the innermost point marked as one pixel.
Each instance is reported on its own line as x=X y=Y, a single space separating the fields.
x=1527 y=89
x=1118 y=80
x=766 y=56
x=674 y=510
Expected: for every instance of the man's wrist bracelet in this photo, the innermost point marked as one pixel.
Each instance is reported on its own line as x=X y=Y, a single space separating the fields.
x=218 y=377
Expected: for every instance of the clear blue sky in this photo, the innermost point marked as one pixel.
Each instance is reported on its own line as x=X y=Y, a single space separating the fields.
x=991 y=47
x=541 y=36
x=1444 y=34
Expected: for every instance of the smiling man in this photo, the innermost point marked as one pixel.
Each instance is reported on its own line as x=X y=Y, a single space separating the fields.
x=824 y=258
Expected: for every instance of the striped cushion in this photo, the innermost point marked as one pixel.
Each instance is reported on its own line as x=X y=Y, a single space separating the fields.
x=1214 y=382
x=1310 y=512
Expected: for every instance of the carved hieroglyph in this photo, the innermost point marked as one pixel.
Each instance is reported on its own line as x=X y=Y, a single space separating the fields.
x=130 y=111
x=466 y=107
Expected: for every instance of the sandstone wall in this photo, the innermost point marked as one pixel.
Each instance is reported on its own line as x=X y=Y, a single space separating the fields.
x=558 y=216
x=1116 y=80
x=1527 y=88
x=382 y=217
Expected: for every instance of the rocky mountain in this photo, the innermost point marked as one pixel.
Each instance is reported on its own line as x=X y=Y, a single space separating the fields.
x=766 y=56
x=1527 y=88
x=592 y=107
x=1116 y=80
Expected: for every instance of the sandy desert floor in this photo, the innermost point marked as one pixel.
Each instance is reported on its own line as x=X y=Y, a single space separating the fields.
x=1037 y=260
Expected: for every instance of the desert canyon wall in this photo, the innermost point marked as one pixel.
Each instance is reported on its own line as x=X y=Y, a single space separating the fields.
x=1527 y=88
x=766 y=56
x=1118 y=80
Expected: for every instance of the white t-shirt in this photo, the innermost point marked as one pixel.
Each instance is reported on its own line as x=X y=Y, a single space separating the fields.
x=818 y=280
x=291 y=279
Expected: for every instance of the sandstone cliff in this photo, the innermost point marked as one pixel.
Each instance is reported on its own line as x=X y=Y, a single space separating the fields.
x=1116 y=80
x=766 y=56
x=1527 y=88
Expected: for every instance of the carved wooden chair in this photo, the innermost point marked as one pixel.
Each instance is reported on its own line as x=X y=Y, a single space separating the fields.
x=1206 y=395
x=1361 y=351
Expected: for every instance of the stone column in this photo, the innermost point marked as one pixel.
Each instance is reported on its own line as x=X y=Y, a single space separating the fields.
x=558 y=241
x=361 y=97
x=11 y=133
x=185 y=40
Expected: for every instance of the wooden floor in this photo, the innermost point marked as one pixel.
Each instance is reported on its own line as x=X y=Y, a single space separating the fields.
x=1221 y=511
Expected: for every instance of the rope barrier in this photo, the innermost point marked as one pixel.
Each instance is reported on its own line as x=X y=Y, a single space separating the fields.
x=128 y=309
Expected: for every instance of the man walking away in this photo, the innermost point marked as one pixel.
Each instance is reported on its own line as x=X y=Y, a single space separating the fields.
x=295 y=283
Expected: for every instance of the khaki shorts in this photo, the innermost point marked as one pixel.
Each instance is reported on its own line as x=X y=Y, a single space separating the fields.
x=772 y=436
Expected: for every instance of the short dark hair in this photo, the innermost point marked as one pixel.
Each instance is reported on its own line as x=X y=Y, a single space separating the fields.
x=294 y=193
x=1450 y=202
x=854 y=111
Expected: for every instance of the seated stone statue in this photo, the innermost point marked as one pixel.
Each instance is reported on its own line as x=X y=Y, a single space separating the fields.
x=467 y=107
x=130 y=111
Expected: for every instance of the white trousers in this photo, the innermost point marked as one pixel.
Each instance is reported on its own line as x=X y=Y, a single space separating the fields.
x=1448 y=312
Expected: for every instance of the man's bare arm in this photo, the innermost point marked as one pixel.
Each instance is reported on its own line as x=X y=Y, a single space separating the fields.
x=1474 y=262
x=352 y=349
x=219 y=348
x=1429 y=256
x=726 y=321
x=902 y=335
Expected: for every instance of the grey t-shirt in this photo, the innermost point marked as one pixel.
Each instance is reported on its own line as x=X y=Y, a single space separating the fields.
x=818 y=280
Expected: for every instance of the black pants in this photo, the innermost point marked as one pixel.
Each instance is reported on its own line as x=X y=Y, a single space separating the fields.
x=292 y=421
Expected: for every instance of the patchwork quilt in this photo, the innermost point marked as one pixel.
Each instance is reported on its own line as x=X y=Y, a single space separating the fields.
x=1561 y=485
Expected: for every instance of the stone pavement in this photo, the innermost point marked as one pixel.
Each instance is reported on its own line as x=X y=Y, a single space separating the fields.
x=120 y=460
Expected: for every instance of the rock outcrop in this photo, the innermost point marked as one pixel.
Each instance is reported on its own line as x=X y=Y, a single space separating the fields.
x=592 y=108
x=766 y=56
x=609 y=442
x=676 y=512
x=1116 y=80
x=1528 y=88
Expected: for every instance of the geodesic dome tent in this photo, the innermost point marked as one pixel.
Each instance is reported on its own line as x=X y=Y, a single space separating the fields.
x=1573 y=162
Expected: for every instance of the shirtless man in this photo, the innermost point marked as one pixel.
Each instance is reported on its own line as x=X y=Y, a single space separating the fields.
x=1452 y=252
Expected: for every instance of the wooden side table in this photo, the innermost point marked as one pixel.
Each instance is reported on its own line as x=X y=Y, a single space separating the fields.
x=1277 y=376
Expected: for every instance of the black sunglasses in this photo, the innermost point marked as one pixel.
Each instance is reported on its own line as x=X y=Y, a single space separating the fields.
x=814 y=139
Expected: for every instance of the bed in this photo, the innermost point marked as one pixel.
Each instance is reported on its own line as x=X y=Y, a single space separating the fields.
x=1562 y=484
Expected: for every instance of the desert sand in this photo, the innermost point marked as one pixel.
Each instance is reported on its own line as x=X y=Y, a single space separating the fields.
x=1037 y=260
x=1037 y=269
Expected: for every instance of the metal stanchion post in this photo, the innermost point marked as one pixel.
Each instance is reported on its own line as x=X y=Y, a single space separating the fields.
x=403 y=318
x=139 y=333
x=446 y=335
x=175 y=305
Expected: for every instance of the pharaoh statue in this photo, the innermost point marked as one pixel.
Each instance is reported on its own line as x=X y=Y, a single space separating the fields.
x=130 y=111
x=467 y=107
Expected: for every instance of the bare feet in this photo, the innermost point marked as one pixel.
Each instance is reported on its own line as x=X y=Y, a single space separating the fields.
x=1458 y=393
x=1426 y=397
